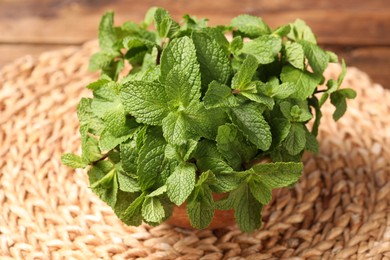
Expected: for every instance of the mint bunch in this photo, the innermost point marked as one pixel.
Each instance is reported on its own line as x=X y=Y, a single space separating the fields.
x=197 y=113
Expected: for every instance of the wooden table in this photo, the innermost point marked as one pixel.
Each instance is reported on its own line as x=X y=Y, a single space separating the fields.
x=358 y=30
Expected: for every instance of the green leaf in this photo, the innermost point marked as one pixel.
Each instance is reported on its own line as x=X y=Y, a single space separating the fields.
x=127 y=183
x=146 y=101
x=102 y=60
x=180 y=53
x=133 y=214
x=284 y=90
x=296 y=139
x=295 y=55
x=153 y=210
x=107 y=36
x=106 y=188
x=90 y=149
x=219 y=95
x=339 y=100
x=181 y=183
x=312 y=144
x=118 y=129
x=232 y=145
x=265 y=48
x=149 y=16
x=259 y=98
x=73 y=161
x=300 y=31
x=129 y=156
x=123 y=201
x=213 y=60
x=245 y=74
x=151 y=159
x=200 y=208
x=251 y=122
x=341 y=77
x=158 y=191
x=305 y=82
x=250 y=26
x=236 y=45
x=205 y=122
x=174 y=128
x=333 y=58
x=278 y=174
x=318 y=58
x=282 y=30
x=280 y=127
x=208 y=158
x=166 y=26
x=181 y=87
x=260 y=192
x=247 y=210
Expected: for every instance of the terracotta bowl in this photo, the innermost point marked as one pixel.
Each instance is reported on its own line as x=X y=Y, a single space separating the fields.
x=222 y=218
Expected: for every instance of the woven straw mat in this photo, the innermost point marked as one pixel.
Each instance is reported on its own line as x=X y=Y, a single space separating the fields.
x=340 y=209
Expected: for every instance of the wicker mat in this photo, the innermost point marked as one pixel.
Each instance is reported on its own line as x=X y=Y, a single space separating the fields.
x=339 y=209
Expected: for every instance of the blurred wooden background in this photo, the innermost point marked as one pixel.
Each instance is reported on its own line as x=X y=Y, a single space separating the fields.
x=358 y=30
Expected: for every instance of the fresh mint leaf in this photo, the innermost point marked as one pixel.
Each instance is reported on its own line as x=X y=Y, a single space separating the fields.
x=250 y=26
x=278 y=174
x=284 y=90
x=264 y=49
x=127 y=183
x=300 y=31
x=296 y=139
x=339 y=100
x=166 y=26
x=180 y=53
x=312 y=144
x=282 y=30
x=341 y=77
x=213 y=60
x=149 y=17
x=236 y=45
x=333 y=58
x=73 y=161
x=158 y=191
x=175 y=127
x=181 y=183
x=182 y=87
x=129 y=156
x=295 y=55
x=280 y=127
x=219 y=95
x=102 y=60
x=232 y=145
x=247 y=210
x=146 y=101
x=244 y=76
x=153 y=210
x=107 y=36
x=119 y=129
x=251 y=122
x=305 y=82
x=318 y=58
x=151 y=160
x=260 y=98
x=205 y=122
x=133 y=214
x=260 y=192
x=90 y=149
x=200 y=208
x=107 y=187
